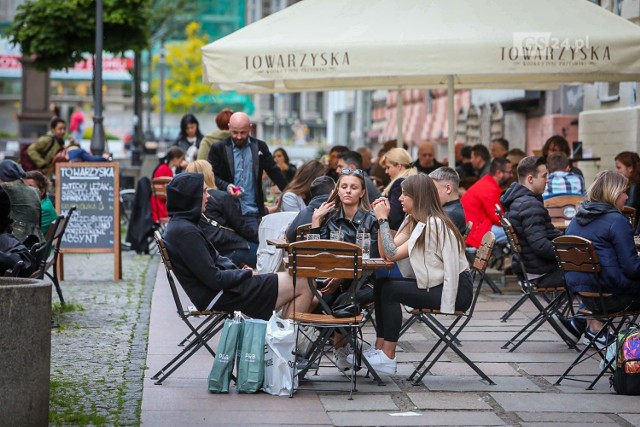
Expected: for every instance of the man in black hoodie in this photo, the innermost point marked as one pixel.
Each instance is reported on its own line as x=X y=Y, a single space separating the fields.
x=210 y=280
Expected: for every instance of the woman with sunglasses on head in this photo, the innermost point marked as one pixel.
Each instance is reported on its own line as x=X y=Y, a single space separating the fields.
x=437 y=275
x=348 y=211
x=397 y=163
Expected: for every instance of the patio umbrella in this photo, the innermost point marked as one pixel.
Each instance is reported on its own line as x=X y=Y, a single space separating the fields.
x=321 y=45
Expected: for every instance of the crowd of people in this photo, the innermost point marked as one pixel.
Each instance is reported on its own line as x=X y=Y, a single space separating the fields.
x=415 y=210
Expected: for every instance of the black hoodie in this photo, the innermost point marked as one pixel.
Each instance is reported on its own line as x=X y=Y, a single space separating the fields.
x=201 y=271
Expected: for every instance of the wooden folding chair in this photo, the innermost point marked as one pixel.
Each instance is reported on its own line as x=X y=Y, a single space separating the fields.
x=198 y=335
x=576 y=254
x=630 y=213
x=331 y=259
x=449 y=336
x=302 y=231
x=547 y=306
x=563 y=208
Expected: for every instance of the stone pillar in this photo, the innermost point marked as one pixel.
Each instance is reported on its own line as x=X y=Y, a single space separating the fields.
x=25 y=351
x=34 y=117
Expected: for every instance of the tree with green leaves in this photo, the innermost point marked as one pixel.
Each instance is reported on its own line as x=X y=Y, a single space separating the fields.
x=183 y=85
x=57 y=33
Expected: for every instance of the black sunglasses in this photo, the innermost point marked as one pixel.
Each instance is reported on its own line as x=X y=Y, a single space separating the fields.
x=351 y=172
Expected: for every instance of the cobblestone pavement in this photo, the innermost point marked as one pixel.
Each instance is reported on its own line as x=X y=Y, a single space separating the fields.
x=98 y=352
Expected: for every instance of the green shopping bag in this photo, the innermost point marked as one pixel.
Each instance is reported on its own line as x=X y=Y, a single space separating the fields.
x=251 y=356
x=225 y=355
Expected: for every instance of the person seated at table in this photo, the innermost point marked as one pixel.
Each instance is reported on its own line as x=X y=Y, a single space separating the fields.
x=599 y=219
x=297 y=193
x=628 y=164
x=560 y=181
x=25 y=203
x=397 y=164
x=37 y=180
x=346 y=211
x=321 y=188
x=210 y=280
x=223 y=223
x=437 y=275
x=11 y=249
x=559 y=143
x=172 y=160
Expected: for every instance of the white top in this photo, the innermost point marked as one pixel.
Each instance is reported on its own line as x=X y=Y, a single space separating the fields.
x=439 y=263
x=292 y=202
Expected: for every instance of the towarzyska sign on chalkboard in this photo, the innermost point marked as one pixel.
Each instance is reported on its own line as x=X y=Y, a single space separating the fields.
x=93 y=188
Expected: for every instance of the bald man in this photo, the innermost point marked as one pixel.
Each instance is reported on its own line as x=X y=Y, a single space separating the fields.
x=426 y=162
x=238 y=162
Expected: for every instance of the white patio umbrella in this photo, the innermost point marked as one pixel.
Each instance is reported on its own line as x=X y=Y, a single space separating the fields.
x=320 y=45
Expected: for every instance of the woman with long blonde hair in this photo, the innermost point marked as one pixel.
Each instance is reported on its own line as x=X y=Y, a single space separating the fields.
x=222 y=221
x=398 y=164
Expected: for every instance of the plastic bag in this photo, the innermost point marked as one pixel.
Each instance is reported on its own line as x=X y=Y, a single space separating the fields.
x=251 y=356
x=280 y=358
x=222 y=368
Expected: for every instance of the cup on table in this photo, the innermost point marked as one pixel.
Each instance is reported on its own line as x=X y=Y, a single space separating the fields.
x=336 y=235
x=313 y=237
x=364 y=241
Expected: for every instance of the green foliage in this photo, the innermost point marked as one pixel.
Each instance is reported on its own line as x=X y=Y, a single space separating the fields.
x=58 y=32
x=183 y=85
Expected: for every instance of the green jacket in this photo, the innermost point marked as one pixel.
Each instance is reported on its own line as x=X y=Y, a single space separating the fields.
x=209 y=140
x=42 y=152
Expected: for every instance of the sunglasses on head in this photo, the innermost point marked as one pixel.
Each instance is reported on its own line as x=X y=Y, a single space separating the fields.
x=351 y=172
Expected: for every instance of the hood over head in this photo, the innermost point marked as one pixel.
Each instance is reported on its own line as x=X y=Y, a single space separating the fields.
x=184 y=196
x=10 y=171
x=588 y=211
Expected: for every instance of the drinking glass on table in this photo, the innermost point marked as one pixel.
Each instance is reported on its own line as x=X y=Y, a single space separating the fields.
x=313 y=237
x=336 y=235
x=364 y=240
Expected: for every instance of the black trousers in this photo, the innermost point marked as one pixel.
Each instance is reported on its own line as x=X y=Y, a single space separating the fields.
x=390 y=292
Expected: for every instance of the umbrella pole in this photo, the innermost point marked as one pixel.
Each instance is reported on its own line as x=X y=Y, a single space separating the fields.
x=399 y=118
x=451 y=153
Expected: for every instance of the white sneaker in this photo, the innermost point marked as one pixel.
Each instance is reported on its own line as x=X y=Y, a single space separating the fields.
x=340 y=358
x=370 y=350
x=381 y=363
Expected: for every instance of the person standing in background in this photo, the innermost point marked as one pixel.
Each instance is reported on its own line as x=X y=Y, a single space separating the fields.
x=190 y=137
x=45 y=148
x=76 y=124
x=222 y=121
x=426 y=162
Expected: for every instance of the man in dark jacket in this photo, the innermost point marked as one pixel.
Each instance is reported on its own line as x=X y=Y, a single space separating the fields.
x=447 y=181
x=238 y=163
x=210 y=280
x=11 y=250
x=532 y=224
x=321 y=187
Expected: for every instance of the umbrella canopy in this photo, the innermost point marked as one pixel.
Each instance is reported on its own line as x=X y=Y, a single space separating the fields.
x=318 y=45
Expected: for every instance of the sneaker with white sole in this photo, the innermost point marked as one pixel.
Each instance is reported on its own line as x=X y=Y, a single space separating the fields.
x=340 y=356
x=381 y=363
x=370 y=350
x=603 y=340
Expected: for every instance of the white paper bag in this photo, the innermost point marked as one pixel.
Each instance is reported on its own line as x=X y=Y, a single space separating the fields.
x=279 y=358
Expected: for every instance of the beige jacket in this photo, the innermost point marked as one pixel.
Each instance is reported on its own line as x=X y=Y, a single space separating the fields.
x=440 y=263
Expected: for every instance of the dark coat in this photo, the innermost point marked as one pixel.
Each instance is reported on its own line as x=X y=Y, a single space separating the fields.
x=231 y=231
x=221 y=159
x=363 y=222
x=11 y=252
x=612 y=237
x=201 y=271
x=455 y=212
x=532 y=224
x=396 y=214
x=304 y=216
x=141 y=223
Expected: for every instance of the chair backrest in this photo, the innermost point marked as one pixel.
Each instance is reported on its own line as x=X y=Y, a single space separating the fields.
x=159 y=187
x=164 y=254
x=272 y=226
x=562 y=209
x=58 y=233
x=15 y=270
x=630 y=213
x=512 y=237
x=467 y=230
x=302 y=231
x=499 y=212
x=42 y=251
x=577 y=254
x=325 y=258
x=483 y=254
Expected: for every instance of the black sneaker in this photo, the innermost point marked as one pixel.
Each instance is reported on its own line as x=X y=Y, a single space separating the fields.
x=579 y=324
x=603 y=340
x=567 y=328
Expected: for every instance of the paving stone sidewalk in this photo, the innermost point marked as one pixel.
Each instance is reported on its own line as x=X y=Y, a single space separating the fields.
x=98 y=352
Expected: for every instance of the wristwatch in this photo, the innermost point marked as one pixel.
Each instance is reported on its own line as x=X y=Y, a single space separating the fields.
x=383 y=220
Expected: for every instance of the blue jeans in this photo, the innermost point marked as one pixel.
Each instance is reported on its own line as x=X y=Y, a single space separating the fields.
x=244 y=256
x=252 y=220
x=501 y=237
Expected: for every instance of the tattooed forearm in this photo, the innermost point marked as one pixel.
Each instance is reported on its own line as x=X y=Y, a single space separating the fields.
x=389 y=247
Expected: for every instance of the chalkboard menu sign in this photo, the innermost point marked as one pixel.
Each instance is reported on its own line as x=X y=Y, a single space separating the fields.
x=93 y=188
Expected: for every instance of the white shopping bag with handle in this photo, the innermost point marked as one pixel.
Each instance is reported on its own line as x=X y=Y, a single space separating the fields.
x=279 y=358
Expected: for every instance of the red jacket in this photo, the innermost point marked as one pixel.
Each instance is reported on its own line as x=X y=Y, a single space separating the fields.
x=479 y=203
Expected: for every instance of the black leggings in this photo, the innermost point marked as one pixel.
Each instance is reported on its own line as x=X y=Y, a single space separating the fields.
x=390 y=292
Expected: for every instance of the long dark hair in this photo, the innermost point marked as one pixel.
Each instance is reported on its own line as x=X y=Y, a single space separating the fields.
x=173 y=152
x=630 y=160
x=189 y=119
x=300 y=185
x=426 y=205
